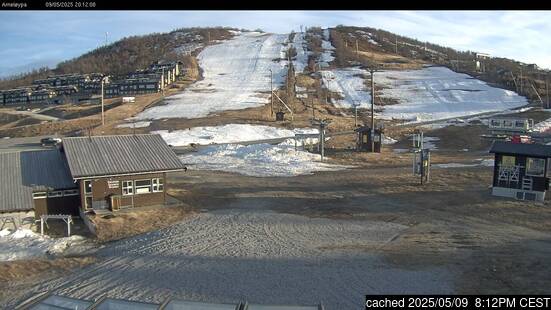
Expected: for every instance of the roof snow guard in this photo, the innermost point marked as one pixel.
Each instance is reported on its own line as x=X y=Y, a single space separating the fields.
x=536 y=150
x=102 y=156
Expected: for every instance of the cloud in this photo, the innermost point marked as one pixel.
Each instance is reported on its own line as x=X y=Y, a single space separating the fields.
x=30 y=36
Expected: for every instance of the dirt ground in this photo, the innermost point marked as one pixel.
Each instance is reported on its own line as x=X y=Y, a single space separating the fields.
x=23 y=274
x=131 y=222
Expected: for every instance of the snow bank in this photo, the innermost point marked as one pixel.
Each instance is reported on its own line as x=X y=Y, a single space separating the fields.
x=350 y=85
x=259 y=160
x=481 y=162
x=438 y=93
x=262 y=160
x=229 y=133
x=26 y=244
x=236 y=75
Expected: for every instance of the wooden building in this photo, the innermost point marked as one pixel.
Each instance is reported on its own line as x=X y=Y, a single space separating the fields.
x=520 y=170
x=39 y=181
x=88 y=173
x=364 y=139
x=114 y=172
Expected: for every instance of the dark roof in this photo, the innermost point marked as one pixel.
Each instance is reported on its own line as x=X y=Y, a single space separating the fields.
x=25 y=172
x=119 y=155
x=537 y=150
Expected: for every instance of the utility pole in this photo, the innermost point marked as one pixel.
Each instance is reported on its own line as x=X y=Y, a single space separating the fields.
x=102 y=108
x=357 y=51
x=396 y=46
x=547 y=90
x=106 y=33
x=372 y=71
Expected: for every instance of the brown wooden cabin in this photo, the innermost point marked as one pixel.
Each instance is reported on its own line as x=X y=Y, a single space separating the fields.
x=520 y=170
x=85 y=173
x=114 y=172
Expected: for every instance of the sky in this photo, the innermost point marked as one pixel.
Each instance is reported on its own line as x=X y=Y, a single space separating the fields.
x=34 y=39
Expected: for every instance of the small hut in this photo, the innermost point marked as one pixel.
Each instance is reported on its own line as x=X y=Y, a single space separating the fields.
x=520 y=170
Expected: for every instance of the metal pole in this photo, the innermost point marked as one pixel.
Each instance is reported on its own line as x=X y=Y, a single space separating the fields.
x=547 y=90
x=322 y=140
x=41 y=226
x=372 y=111
x=102 y=109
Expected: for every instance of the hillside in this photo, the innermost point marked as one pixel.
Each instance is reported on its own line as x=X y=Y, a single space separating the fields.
x=131 y=53
x=370 y=45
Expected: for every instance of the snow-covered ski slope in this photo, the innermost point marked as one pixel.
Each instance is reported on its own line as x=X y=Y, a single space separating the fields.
x=236 y=75
x=428 y=94
x=349 y=83
x=434 y=93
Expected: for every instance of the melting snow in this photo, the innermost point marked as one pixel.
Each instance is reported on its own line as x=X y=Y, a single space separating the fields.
x=439 y=93
x=141 y=124
x=262 y=160
x=350 y=85
x=236 y=76
x=26 y=244
x=230 y=133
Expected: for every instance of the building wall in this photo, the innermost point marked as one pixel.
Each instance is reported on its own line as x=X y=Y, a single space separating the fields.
x=539 y=183
x=57 y=205
x=101 y=190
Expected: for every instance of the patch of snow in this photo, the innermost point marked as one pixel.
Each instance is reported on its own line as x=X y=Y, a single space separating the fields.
x=229 y=133
x=481 y=162
x=260 y=160
x=236 y=75
x=350 y=85
x=400 y=150
x=140 y=124
x=26 y=244
x=326 y=55
x=388 y=140
x=434 y=93
x=301 y=59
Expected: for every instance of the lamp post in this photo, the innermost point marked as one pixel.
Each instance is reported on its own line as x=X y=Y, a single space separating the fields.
x=102 y=106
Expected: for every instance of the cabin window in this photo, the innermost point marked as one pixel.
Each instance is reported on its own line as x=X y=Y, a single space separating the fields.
x=507 y=161
x=507 y=124
x=88 y=187
x=495 y=123
x=39 y=195
x=143 y=186
x=70 y=192
x=127 y=188
x=519 y=124
x=55 y=194
x=157 y=185
x=535 y=166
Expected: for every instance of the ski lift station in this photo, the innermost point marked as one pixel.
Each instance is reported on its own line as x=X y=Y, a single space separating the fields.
x=520 y=170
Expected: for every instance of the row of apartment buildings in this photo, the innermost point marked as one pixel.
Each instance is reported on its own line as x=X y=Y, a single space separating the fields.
x=74 y=88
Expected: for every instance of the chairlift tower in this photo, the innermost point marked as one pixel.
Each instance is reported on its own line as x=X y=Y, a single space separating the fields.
x=322 y=124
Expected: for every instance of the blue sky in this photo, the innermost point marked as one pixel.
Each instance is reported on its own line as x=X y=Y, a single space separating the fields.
x=33 y=39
